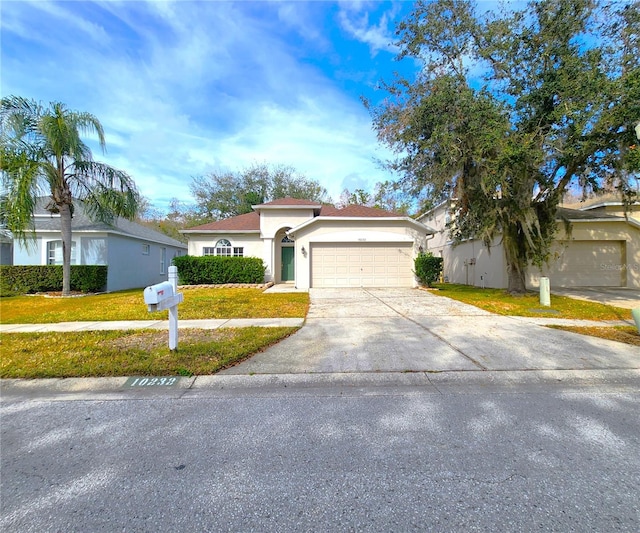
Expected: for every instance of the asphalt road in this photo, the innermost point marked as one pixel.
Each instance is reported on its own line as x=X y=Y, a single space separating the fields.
x=464 y=454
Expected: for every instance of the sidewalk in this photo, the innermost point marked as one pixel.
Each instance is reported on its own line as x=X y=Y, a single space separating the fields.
x=154 y=324
x=216 y=323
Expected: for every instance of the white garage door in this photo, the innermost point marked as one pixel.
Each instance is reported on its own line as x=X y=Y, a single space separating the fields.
x=588 y=264
x=361 y=265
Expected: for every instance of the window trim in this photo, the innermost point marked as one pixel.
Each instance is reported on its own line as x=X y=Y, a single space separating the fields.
x=74 y=259
x=163 y=260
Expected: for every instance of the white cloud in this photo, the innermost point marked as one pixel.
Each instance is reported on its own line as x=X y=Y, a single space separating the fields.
x=379 y=37
x=184 y=88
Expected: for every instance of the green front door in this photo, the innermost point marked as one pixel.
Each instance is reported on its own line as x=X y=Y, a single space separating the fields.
x=288 y=272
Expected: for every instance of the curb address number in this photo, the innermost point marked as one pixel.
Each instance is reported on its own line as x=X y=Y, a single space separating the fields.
x=151 y=382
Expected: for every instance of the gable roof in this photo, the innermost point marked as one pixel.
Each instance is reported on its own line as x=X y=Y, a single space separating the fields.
x=250 y=222
x=285 y=202
x=45 y=221
x=247 y=223
x=357 y=211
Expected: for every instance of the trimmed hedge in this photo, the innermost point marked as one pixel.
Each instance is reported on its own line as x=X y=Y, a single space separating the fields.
x=25 y=279
x=212 y=269
x=428 y=268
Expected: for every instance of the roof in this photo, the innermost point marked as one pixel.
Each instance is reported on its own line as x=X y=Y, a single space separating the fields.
x=357 y=211
x=578 y=214
x=248 y=222
x=45 y=221
x=288 y=202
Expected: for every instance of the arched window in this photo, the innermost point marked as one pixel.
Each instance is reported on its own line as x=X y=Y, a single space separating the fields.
x=286 y=240
x=223 y=247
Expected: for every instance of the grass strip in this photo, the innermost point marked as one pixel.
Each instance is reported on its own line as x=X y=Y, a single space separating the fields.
x=501 y=302
x=200 y=303
x=130 y=353
x=626 y=334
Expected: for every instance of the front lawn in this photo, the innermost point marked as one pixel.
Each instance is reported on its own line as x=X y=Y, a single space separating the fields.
x=626 y=334
x=501 y=302
x=130 y=353
x=199 y=303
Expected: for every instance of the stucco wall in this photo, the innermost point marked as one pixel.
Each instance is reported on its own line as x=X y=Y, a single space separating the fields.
x=251 y=242
x=273 y=220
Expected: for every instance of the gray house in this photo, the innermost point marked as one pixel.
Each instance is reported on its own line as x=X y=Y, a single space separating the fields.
x=137 y=256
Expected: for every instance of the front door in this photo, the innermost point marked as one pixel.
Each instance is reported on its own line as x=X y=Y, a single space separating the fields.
x=288 y=272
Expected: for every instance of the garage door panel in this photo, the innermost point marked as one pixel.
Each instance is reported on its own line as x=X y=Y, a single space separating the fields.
x=586 y=264
x=361 y=265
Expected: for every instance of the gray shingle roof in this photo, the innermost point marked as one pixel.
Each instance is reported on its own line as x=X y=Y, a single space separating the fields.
x=45 y=221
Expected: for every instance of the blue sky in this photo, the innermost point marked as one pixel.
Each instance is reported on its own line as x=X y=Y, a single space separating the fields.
x=183 y=88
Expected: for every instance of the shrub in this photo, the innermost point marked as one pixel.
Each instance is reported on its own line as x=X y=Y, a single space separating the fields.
x=428 y=268
x=213 y=269
x=25 y=279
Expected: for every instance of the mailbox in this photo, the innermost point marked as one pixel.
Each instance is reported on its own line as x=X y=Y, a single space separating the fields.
x=155 y=294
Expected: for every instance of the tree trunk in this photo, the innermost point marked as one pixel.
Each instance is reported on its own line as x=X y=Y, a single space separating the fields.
x=516 y=284
x=65 y=229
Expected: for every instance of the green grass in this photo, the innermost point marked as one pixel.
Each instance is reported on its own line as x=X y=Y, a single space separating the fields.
x=130 y=353
x=199 y=303
x=501 y=302
x=626 y=334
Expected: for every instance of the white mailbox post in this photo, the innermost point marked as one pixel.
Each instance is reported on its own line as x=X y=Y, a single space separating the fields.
x=163 y=296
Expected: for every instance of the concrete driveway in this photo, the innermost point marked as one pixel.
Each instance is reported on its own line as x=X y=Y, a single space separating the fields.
x=411 y=330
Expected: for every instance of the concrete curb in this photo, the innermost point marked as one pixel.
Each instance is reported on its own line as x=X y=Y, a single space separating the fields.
x=454 y=382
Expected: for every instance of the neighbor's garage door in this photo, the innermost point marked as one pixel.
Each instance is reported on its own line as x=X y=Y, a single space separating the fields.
x=361 y=265
x=588 y=264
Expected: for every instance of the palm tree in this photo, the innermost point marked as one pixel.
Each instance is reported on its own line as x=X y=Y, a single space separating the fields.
x=42 y=154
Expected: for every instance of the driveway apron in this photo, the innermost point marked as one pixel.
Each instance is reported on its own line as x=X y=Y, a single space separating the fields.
x=411 y=330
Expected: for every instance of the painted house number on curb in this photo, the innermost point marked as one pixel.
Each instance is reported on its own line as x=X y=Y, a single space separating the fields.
x=151 y=382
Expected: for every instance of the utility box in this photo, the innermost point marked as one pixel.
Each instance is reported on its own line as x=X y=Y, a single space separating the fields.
x=155 y=294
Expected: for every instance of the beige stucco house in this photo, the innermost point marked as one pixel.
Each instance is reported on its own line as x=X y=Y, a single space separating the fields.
x=312 y=245
x=602 y=249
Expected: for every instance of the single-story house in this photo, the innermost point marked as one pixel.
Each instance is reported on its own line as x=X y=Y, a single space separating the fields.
x=312 y=245
x=602 y=249
x=137 y=256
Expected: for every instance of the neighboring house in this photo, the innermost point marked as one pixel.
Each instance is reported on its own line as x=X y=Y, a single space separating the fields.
x=6 y=248
x=137 y=256
x=313 y=245
x=602 y=249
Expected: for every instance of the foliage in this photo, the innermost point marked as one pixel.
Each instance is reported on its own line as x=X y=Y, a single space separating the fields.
x=199 y=303
x=225 y=194
x=42 y=154
x=386 y=195
x=509 y=110
x=428 y=268
x=196 y=270
x=28 y=279
x=130 y=353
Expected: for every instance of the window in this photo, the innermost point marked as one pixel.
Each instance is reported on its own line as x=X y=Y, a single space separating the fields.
x=208 y=251
x=146 y=249
x=224 y=248
x=163 y=260
x=54 y=253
